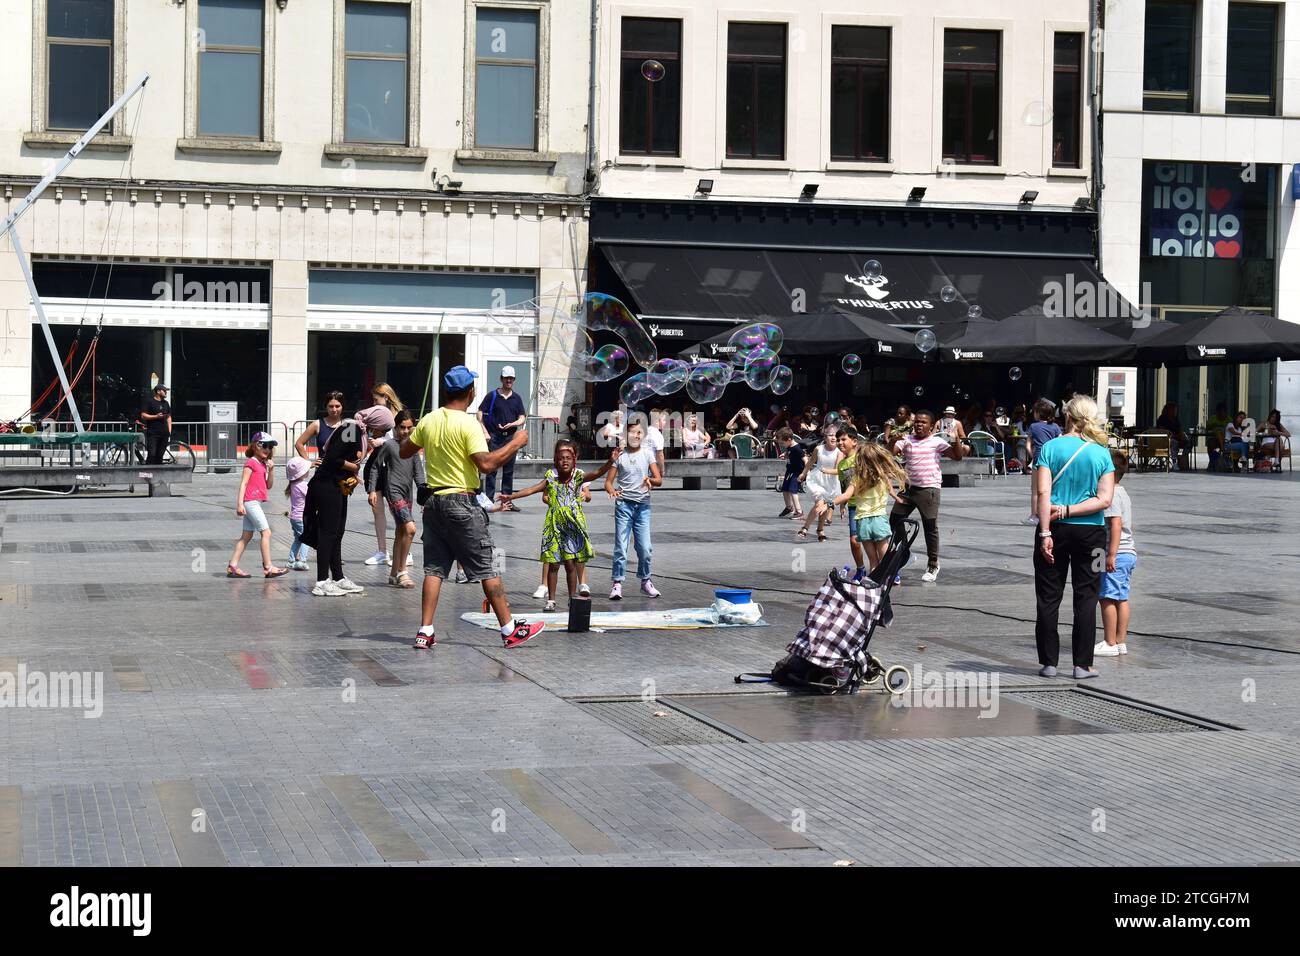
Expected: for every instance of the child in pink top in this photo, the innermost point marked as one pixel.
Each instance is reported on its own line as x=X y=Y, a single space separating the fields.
x=296 y=474
x=253 y=485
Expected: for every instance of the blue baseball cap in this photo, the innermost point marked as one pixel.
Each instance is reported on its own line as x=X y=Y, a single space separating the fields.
x=458 y=378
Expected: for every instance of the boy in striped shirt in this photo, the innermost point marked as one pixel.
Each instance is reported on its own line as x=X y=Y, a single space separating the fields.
x=921 y=452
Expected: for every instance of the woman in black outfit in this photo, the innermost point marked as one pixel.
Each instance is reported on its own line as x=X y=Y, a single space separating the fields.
x=325 y=513
x=1168 y=420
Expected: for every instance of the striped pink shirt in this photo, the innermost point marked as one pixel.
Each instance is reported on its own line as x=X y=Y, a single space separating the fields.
x=921 y=459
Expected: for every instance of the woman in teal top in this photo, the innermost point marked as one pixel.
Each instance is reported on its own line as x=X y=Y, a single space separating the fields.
x=1076 y=480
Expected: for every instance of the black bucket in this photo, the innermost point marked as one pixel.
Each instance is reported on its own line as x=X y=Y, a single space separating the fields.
x=579 y=615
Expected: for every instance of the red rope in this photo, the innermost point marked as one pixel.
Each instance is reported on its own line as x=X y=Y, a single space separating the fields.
x=53 y=382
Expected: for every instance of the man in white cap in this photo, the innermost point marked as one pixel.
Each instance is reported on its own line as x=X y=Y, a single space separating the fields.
x=502 y=413
x=949 y=428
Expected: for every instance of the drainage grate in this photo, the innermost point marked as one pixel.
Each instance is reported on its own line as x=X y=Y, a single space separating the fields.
x=637 y=719
x=1103 y=712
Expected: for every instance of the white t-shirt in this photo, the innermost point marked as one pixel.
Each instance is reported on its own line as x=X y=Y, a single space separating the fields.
x=654 y=438
x=1122 y=508
x=631 y=471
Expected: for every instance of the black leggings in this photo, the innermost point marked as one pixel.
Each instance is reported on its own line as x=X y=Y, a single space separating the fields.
x=1080 y=551
x=330 y=506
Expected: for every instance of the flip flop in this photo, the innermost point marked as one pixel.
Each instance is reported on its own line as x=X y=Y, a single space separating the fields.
x=274 y=572
x=802 y=533
x=234 y=572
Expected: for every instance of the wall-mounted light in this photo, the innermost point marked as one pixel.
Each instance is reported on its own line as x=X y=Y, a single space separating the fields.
x=281 y=3
x=704 y=187
x=1082 y=203
x=1028 y=197
x=809 y=191
x=917 y=194
x=448 y=185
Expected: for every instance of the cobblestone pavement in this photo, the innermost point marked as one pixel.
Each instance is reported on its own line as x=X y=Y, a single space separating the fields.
x=248 y=723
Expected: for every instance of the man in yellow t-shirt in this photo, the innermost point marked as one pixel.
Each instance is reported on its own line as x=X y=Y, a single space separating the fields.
x=455 y=525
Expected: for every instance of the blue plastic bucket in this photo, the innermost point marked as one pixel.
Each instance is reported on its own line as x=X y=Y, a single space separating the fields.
x=734 y=595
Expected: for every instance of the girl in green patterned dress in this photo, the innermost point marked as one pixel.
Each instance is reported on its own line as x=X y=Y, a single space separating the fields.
x=564 y=531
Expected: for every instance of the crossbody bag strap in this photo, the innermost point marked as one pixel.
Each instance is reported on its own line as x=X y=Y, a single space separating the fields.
x=1057 y=477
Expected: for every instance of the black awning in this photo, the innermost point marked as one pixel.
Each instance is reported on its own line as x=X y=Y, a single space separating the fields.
x=1228 y=337
x=752 y=284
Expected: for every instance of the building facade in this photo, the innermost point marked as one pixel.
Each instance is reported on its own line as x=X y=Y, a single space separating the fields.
x=307 y=195
x=1200 y=126
x=775 y=158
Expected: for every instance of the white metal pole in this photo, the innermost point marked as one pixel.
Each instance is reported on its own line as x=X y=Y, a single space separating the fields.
x=45 y=327
x=167 y=357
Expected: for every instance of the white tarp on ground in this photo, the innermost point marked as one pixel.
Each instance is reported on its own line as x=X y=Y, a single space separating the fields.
x=676 y=619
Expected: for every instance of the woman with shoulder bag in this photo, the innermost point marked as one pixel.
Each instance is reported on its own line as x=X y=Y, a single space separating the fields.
x=1075 y=482
x=325 y=514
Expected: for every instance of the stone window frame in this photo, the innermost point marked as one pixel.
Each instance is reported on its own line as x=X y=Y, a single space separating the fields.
x=113 y=137
x=339 y=147
x=192 y=141
x=541 y=156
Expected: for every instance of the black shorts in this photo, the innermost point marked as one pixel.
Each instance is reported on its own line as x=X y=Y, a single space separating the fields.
x=456 y=530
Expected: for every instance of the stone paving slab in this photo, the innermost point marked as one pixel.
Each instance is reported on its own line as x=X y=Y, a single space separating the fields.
x=239 y=690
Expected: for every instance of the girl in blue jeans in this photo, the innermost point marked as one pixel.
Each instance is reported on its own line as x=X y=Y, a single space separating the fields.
x=629 y=482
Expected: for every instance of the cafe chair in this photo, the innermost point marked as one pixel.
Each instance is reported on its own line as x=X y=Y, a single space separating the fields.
x=1153 y=451
x=744 y=445
x=984 y=447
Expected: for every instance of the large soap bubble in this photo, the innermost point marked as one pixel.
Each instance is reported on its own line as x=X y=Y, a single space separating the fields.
x=636 y=389
x=852 y=364
x=668 y=375
x=707 y=382
x=605 y=313
x=782 y=379
x=604 y=365
x=948 y=293
x=747 y=340
x=760 y=367
x=925 y=340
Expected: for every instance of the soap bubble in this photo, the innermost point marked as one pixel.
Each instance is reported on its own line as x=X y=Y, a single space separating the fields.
x=747 y=340
x=668 y=376
x=872 y=269
x=919 y=391
x=831 y=418
x=948 y=293
x=653 y=70
x=605 y=313
x=851 y=364
x=922 y=319
x=1015 y=373
x=966 y=397
x=782 y=379
x=760 y=367
x=636 y=389
x=974 y=312
x=707 y=382
x=604 y=365
x=925 y=340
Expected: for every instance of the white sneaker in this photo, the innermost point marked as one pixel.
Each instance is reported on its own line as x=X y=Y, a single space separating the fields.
x=410 y=560
x=550 y=607
x=540 y=592
x=931 y=575
x=1123 y=648
x=327 y=588
x=348 y=587
x=379 y=557
x=1107 y=650
x=583 y=590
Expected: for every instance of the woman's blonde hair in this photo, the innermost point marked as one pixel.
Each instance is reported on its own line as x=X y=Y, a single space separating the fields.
x=873 y=465
x=390 y=397
x=1083 y=411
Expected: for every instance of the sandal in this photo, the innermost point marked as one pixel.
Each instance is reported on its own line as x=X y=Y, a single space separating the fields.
x=273 y=572
x=821 y=536
x=802 y=533
x=402 y=580
x=234 y=572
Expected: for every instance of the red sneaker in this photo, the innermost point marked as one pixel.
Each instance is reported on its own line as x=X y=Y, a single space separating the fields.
x=423 y=642
x=523 y=632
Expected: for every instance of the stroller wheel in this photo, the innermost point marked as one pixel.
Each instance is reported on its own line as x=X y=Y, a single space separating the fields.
x=898 y=679
x=874 y=670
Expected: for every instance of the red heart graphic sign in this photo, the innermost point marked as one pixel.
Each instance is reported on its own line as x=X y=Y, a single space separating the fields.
x=1227 y=249
x=1219 y=198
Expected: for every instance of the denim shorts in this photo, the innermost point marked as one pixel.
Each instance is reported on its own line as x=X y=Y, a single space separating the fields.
x=1115 y=584
x=456 y=530
x=872 y=528
x=255 y=517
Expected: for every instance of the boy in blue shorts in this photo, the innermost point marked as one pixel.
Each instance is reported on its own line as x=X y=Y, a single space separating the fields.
x=1121 y=559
